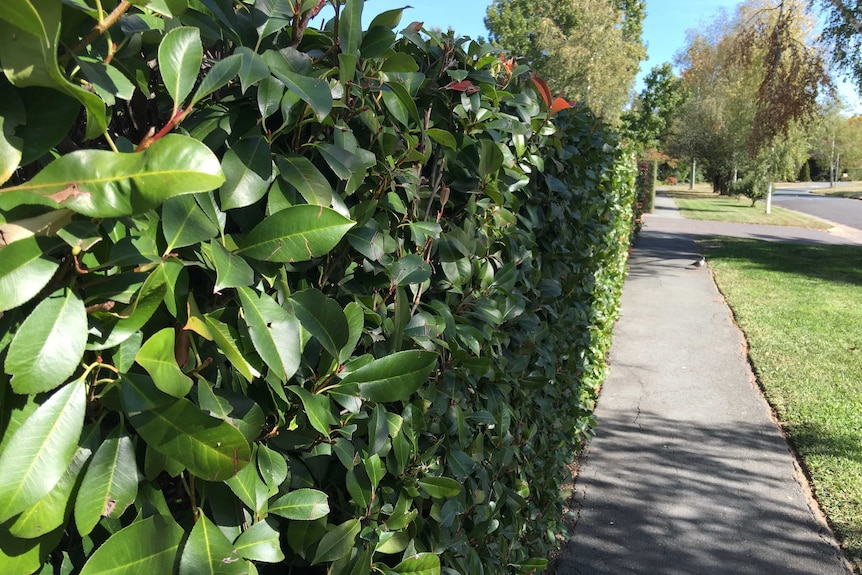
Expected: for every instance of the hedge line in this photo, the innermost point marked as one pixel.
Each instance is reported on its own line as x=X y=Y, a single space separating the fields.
x=276 y=298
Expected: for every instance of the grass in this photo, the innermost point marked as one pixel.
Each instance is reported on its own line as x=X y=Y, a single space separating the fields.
x=702 y=204
x=800 y=307
x=853 y=191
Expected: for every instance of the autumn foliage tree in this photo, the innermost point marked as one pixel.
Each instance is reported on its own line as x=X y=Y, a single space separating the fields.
x=755 y=82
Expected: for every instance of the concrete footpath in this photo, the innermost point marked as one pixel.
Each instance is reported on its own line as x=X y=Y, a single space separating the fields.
x=688 y=472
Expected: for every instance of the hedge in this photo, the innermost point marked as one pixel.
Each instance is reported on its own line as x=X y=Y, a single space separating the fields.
x=276 y=298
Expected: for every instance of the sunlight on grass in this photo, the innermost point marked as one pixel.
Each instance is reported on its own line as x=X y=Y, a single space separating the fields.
x=702 y=204
x=801 y=310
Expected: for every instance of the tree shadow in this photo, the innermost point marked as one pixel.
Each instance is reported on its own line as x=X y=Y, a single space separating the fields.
x=660 y=496
x=657 y=253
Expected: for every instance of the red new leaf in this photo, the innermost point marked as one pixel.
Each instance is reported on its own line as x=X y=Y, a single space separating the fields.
x=542 y=86
x=560 y=104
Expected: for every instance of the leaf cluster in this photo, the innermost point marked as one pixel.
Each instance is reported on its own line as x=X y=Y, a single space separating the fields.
x=276 y=298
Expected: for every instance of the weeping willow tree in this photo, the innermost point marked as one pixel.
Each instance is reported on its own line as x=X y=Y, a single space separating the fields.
x=756 y=80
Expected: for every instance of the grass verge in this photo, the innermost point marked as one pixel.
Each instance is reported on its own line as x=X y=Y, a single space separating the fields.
x=702 y=204
x=853 y=191
x=800 y=307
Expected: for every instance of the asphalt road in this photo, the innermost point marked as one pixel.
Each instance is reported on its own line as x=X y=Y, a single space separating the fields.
x=844 y=211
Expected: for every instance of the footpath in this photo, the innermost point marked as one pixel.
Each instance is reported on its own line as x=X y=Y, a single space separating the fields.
x=688 y=472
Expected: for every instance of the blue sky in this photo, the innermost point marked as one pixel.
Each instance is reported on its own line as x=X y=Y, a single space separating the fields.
x=665 y=25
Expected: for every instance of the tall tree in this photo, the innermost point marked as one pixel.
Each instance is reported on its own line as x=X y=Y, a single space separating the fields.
x=649 y=121
x=586 y=49
x=759 y=76
x=842 y=32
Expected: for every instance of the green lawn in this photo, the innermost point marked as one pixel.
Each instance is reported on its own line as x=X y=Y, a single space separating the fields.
x=801 y=310
x=702 y=204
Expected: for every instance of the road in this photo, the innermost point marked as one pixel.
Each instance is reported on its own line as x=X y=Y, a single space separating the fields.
x=844 y=211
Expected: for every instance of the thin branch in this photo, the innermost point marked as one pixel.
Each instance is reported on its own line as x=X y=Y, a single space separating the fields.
x=100 y=28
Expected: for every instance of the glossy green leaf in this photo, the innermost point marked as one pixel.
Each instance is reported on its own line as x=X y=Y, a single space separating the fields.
x=12 y=115
x=442 y=137
x=249 y=488
x=146 y=546
x=218 y=77
x=49 y=345
x=40 y=451
x=337 y=542
x=350 y=26
x=400 y=104
x=253 y=69
x=301 y=505
x=389 y=19
x=440 y=487
x=226 y=340
x=355 y=324
x=50 y=512
x=133 y=316
x=30 y=59
x=231 y=270
x=102 y=184
x=411 y=269
x=110 y=483
x=107 y=81
x=25 y=269
x=300 y=173
x=490 y=158
x=184 y=223
x=169 y=8
x=392 y=378
x=26 y=556
x=260 y=542
x=346 y=164
x=210 y=448
x=269 y=94
x=157 y=356
x=180 y=57
x=378 y=430
x=272 y=467
x=322 y=317
x=24 y=15
x=274 y=332
x=208 y=552
x=248 y=169
x=313 y=91
x=317 y=408
x=376 y=41
x=419 y=564
x=57 y=113
x=296 y=234
x=138 y=393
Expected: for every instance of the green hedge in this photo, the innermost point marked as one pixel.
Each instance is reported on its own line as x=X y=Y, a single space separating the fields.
x=276 y=298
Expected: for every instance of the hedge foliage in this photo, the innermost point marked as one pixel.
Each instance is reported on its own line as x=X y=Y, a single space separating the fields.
x=280 y=298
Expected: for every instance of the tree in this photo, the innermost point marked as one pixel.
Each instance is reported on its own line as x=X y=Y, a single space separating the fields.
x=587 y=50
x=755 y=82
x=842 y=32
x=649 y=122
x=835 y=140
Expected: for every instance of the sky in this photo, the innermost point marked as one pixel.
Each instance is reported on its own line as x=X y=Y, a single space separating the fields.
x=664 y=30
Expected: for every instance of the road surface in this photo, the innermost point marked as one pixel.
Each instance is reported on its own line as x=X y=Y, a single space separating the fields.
x=844 y=211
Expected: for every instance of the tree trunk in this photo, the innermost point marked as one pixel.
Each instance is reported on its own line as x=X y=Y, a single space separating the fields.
x=693 y=170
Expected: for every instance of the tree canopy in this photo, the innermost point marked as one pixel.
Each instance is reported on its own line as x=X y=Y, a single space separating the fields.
x=650 y=119
x=586 y=50
x=755 y=79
